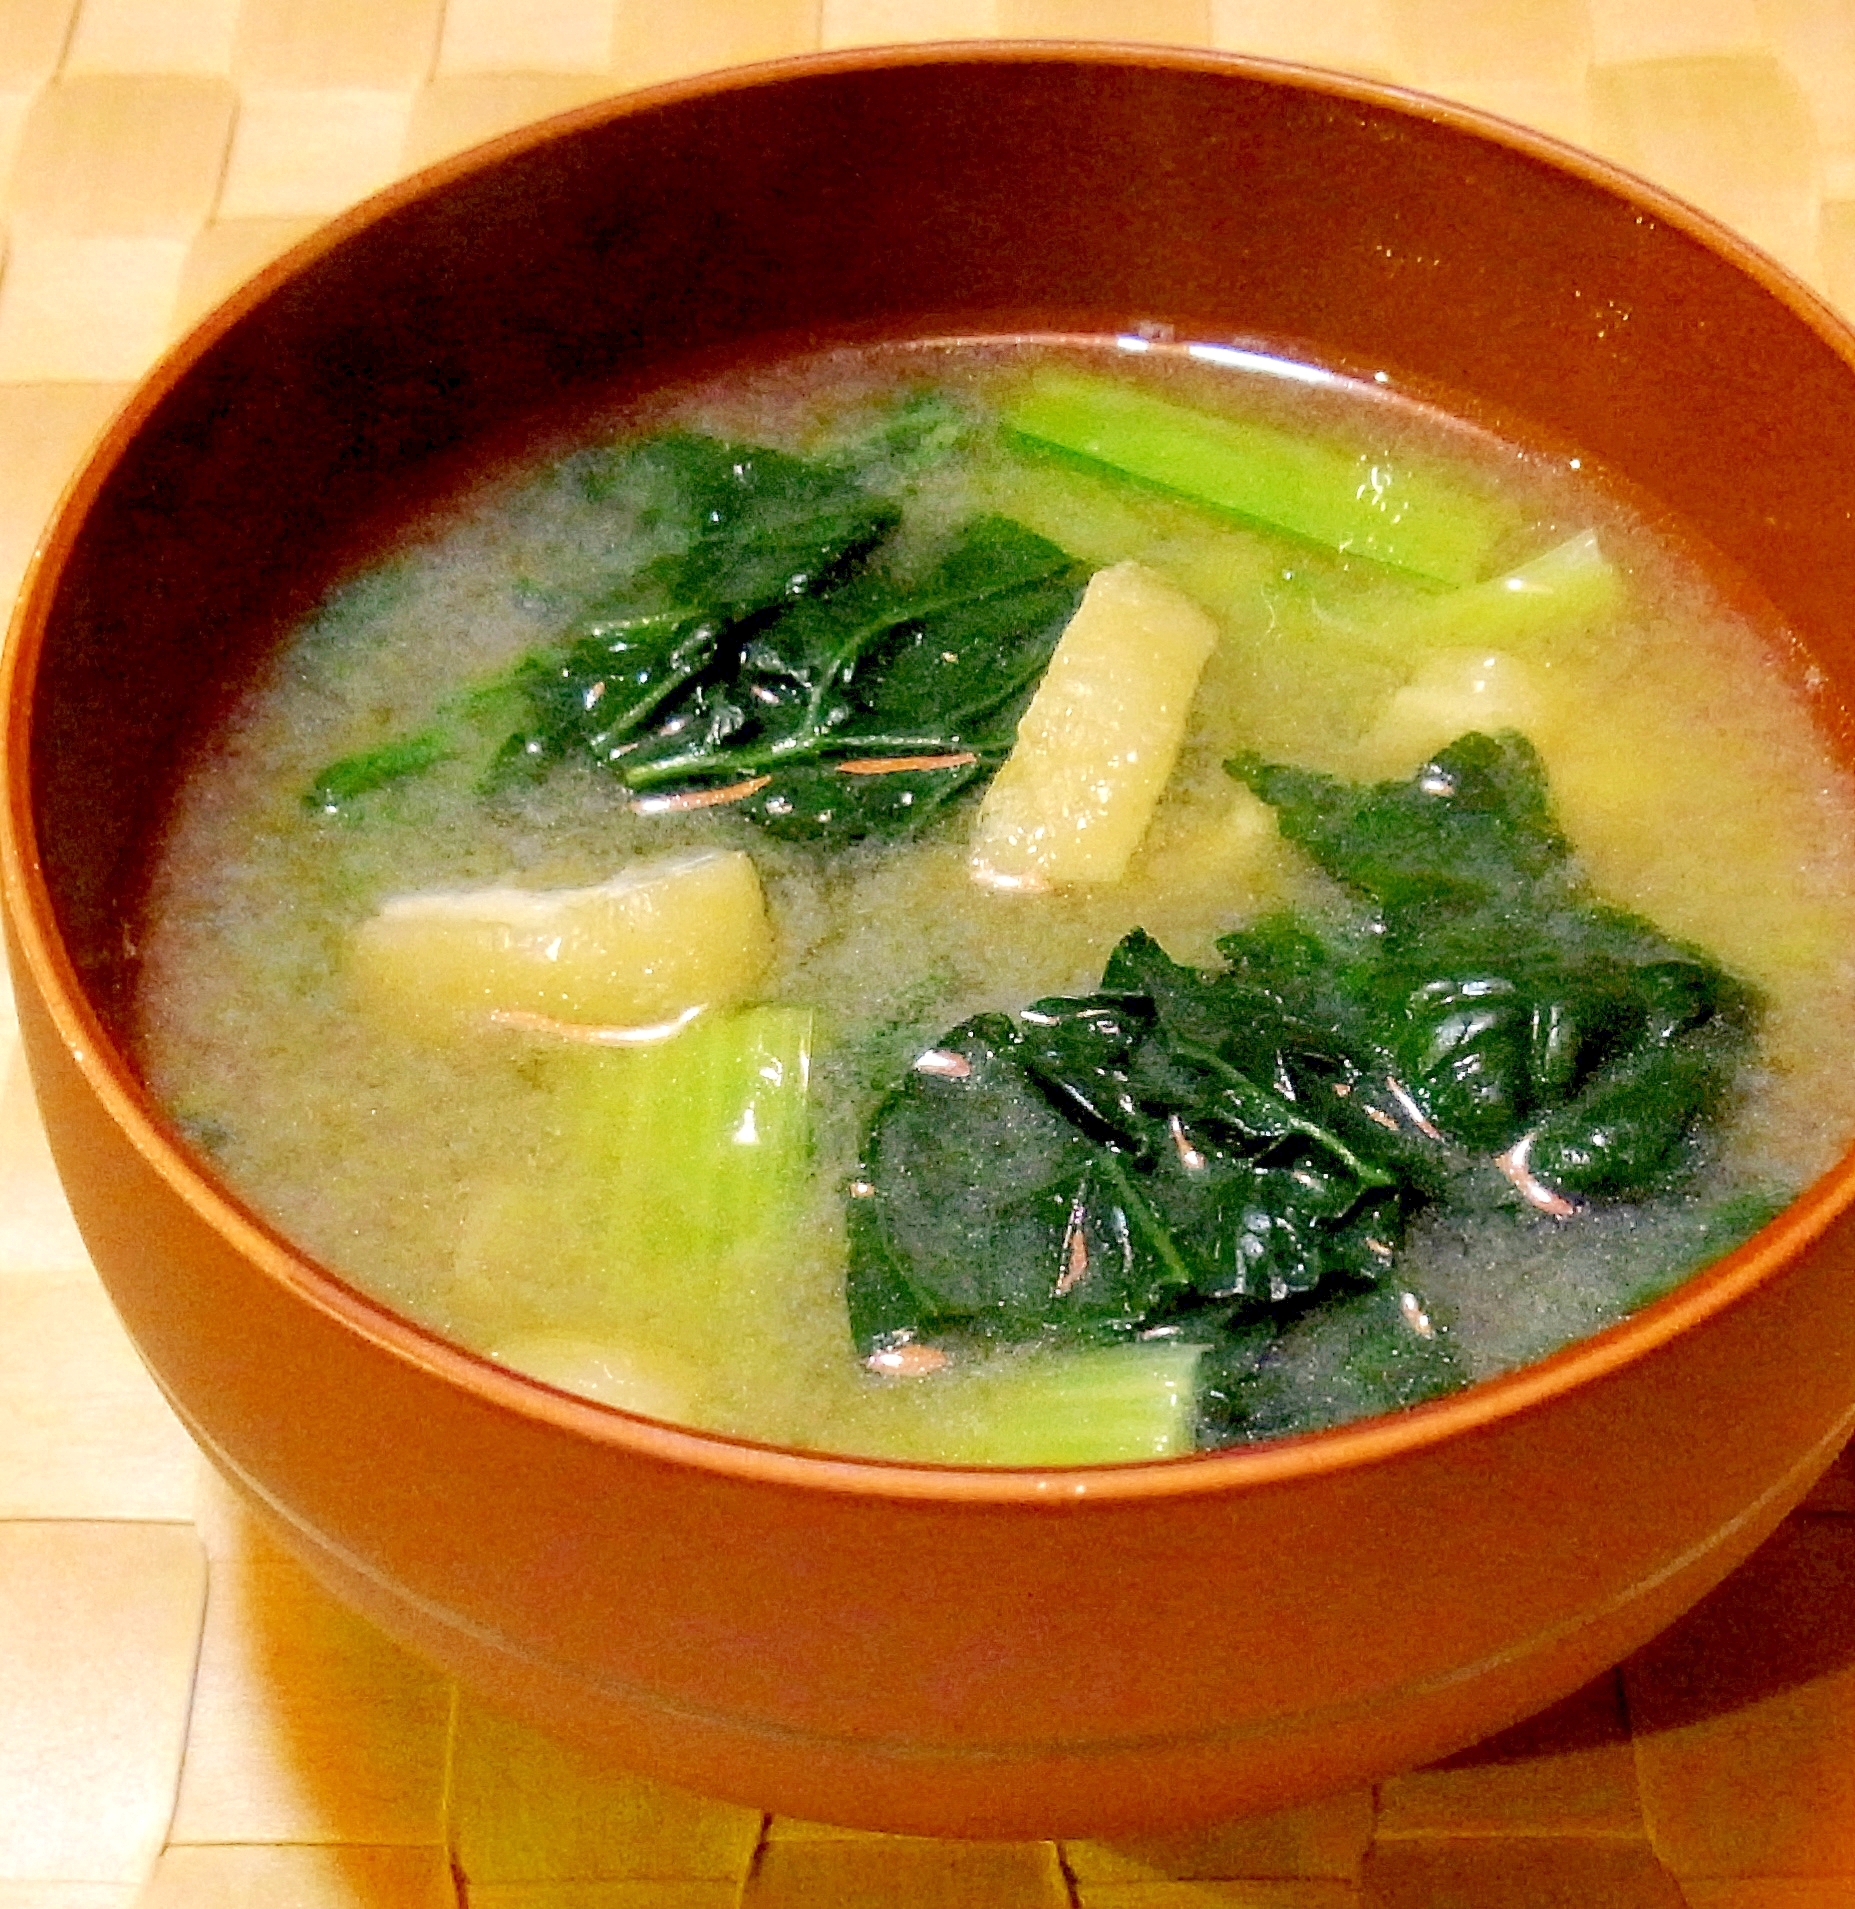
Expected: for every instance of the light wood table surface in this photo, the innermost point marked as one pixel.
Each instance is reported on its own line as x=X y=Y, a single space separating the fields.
x=185 y=1721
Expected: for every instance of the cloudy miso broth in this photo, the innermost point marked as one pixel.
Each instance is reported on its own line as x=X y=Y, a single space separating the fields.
x=1085 y=902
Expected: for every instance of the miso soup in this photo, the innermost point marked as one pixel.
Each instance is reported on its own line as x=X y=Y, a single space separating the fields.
x=1016 y=904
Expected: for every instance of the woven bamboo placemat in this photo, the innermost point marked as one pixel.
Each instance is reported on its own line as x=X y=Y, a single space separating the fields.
x=187 y=1722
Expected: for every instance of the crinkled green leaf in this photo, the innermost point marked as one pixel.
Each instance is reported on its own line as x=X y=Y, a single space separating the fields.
x=1080 y=1168
x=1497 y=995
x=1473 y=827
x=1233 y=1156
x=830 y=806
x=1346 y=1357
x=886 y=667
x=763 y=649
x=763 y=530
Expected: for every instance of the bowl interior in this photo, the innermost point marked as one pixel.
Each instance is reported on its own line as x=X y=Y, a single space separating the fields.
x=868 y=197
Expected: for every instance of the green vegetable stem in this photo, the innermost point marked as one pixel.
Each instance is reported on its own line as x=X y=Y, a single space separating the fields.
x=679 y=1171
x=1090 y=1405
x=1375 y=505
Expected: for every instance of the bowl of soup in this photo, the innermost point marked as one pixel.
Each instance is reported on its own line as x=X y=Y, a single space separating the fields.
x=960 y=938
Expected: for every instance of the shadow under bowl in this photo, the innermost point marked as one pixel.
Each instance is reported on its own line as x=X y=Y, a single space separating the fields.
x=942 y=1651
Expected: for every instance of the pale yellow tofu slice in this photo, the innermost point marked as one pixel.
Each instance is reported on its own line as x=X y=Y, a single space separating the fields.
x=1099 y=739
x=1195 y=883
x=659 y=939
x=1455 y=691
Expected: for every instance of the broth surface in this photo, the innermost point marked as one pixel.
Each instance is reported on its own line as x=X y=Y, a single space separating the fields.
x=1683 y=762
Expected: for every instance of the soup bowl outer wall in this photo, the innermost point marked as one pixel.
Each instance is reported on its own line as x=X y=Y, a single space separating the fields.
x=941 y=1651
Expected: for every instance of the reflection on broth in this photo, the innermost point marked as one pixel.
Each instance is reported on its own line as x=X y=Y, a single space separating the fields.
x=1015 y=905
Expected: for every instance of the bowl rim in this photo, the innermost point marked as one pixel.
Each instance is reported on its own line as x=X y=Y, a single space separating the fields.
x=1488 y=1404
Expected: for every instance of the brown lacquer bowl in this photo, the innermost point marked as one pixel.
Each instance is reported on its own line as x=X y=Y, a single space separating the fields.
x=964 y=1652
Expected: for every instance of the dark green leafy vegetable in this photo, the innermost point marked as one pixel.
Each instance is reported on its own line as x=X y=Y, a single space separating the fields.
x=1470 y=829
x=768 y=656
x=740 y=532
x=346 y=781
x=1522 y=1017
x=883 y=669
x=467 y=725
x=1348 y=1356
x=1098 y=1166
x=1233 y=1158
x=759 y=529
x=1628 y=1128
x=831 y=805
